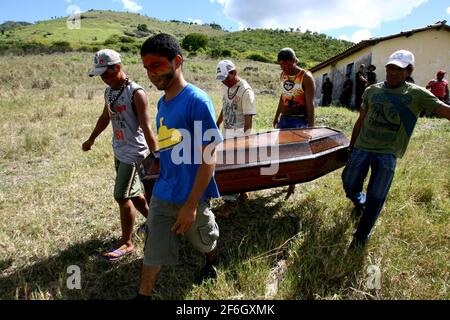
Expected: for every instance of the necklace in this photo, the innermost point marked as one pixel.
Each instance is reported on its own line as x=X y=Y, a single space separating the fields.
x=112 y=99
x=234 y=94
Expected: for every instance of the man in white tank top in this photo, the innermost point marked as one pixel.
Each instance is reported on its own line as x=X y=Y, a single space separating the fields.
x=237 y=115
x=126 y=107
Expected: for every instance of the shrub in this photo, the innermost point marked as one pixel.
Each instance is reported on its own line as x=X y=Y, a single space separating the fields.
x=61 y=46
x=112 y=40
x=259 y=57
x=195 y=41
x=143 y=27
x=125 y=39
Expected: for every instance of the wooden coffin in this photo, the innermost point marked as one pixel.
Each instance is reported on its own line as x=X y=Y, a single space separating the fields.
x=270 y=159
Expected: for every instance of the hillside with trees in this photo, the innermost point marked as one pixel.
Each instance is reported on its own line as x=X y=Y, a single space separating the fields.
x=126 y=32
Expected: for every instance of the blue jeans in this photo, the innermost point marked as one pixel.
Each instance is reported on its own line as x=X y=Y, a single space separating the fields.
x=382 y=173
x=292 y=122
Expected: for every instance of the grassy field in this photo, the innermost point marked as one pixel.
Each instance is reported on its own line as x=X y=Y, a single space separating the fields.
x=57 y=208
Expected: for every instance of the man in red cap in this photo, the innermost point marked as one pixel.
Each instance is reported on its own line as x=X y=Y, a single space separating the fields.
x=439 y=86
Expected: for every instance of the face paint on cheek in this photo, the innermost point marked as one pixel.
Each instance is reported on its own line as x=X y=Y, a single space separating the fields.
x=162 y=81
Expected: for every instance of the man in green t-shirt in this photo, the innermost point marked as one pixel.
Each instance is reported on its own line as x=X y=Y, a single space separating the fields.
x=388 y=115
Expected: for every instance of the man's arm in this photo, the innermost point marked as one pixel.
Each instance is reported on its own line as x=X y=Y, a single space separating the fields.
x=446 y=94
x=187 y=213
x=248 y=124
x=363 y=79
x=220 y=119
x=143 y=115
x=102 y=124
x=443 y=111
x=309 y=87
x=277 y=114
x=357 y=127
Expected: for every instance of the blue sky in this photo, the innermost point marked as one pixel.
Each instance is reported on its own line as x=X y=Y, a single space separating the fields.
x=353 y=20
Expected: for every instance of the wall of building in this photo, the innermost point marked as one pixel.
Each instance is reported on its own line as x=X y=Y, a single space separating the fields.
x=337 y=71
x=431 y=49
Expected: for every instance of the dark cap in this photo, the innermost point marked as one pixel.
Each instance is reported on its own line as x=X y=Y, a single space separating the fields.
x=441 y=72
x=287 y=54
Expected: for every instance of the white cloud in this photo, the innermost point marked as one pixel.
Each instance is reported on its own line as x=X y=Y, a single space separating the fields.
x=358 y=36
x=131 y=5
x=317 y=15
x=448 y=10
x=197 y=21
x=222 y=2
x=73 y=10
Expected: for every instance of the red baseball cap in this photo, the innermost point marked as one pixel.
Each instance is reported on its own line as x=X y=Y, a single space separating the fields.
x=441 y=72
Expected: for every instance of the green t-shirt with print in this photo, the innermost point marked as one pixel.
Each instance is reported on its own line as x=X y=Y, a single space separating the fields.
x=391 y=117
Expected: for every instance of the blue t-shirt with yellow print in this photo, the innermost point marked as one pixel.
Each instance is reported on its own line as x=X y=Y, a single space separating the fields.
x=184 y=124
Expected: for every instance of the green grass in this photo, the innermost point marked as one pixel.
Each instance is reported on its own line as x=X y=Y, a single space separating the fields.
x=57 y=208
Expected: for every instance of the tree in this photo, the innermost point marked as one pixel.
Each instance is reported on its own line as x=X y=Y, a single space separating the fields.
x=142 y=27
x=195 y=41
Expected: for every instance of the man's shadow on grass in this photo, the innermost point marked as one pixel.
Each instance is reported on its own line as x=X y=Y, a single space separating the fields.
x=261 y=227
x=265 y=228
x=324 y=266
x=48 y=278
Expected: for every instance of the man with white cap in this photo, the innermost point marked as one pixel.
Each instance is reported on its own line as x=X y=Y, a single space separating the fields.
x=126 y=107
x=388 y=114
x=237 y=114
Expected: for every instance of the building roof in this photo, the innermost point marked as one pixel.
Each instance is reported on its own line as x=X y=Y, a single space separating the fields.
x=367 y=43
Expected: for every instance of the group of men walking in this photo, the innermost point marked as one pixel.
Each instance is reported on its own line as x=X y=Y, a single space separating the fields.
x=179 y=204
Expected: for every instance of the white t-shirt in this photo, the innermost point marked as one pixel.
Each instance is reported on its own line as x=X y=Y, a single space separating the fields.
x=238 y=101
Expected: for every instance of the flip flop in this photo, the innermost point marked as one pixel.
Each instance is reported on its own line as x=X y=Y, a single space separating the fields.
x=119 y=255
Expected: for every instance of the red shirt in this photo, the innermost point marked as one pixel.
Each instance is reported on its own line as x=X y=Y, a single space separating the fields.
x=438 y=88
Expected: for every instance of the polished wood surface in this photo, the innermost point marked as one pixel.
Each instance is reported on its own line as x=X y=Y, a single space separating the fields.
x=299 y=155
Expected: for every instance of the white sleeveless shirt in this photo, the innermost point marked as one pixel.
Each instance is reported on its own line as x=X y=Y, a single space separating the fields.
x=128 y=140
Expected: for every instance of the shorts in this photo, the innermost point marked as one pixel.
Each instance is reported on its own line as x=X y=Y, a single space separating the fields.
x=127 y=185
x=162 y=244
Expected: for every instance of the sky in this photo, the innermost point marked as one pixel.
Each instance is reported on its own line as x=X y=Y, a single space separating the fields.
x=352 y=20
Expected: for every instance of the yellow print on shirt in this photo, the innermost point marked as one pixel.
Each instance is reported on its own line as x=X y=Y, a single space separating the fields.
x=168 y=138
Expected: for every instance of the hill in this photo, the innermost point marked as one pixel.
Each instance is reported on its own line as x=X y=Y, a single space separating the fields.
x=126 y=31
x=9 y=25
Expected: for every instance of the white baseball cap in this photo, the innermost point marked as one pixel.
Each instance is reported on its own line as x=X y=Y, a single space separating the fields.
x=223 y=69
x=401 y=58
x=102 y=60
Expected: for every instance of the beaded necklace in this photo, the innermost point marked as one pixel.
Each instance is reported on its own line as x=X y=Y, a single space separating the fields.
x=112 y=100
x=234 y=93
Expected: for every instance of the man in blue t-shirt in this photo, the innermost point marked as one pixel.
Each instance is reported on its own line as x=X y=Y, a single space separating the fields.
x=187 y=137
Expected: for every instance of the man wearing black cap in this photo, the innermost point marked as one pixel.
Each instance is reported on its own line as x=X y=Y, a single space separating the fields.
x=360 y=85
x=371 y=75
x=296 y=104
